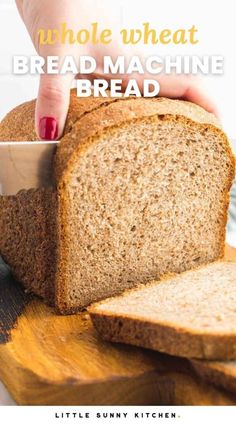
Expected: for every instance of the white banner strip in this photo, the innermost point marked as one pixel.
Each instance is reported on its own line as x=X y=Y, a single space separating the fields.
x=117 y=414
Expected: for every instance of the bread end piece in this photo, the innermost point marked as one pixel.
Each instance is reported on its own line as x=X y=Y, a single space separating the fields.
x=220 y=373
x=28 y=239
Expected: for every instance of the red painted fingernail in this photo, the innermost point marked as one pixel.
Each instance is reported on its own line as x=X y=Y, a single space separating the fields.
x=48 y=128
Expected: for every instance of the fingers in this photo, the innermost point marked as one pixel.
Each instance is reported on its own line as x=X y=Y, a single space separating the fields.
x=19 y=7
x=196 y=94
x=54 y=90
x=186 y=87
x=54 y=94
x=52 y=105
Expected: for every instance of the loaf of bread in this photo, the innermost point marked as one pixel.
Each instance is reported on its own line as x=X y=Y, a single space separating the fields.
x=141 y=190
x=221 y=373
x=192 y=314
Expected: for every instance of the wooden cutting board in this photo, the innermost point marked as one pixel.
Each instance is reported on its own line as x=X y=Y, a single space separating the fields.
x=47 y=359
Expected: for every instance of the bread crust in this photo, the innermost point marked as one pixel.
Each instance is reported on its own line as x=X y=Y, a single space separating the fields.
x=163 y=338
x=28 y=239
x=18 y=124
x=221 y=374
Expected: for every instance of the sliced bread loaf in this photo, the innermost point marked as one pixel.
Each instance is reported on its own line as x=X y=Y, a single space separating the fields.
x=142 y=189
x=192 y=314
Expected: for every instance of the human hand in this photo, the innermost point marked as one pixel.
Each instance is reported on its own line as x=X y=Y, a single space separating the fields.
x=54 y=90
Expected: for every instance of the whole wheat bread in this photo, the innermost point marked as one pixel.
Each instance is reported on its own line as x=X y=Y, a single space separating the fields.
x=141 y=189
x=192 y=314
x=221 y=373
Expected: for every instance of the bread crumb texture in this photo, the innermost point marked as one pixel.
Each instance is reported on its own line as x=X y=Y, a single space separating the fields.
x=192 y=314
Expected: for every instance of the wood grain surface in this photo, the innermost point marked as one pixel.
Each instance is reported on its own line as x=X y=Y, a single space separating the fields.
x=48 y=359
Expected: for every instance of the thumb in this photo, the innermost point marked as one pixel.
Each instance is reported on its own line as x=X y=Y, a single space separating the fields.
x=52 y=105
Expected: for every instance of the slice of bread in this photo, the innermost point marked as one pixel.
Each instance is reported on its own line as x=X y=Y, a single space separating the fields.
x=192 y=314
x=141 y=190
x=192 y=391
x=221 y=373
